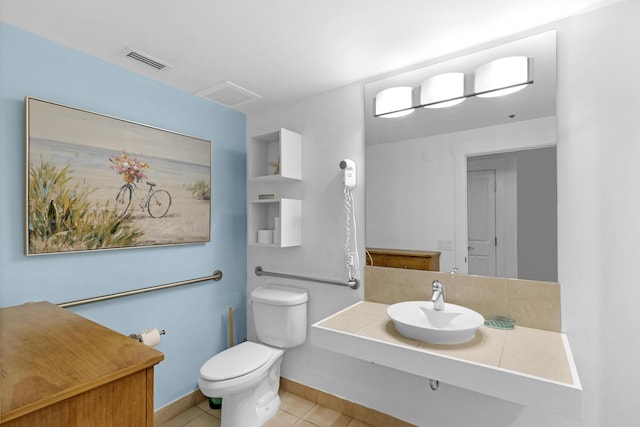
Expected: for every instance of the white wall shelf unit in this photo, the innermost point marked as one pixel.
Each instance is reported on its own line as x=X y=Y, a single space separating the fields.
x=274 y=160
x=262 y=215
x=275 y=156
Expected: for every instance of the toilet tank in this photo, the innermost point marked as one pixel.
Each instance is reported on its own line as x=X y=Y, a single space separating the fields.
x=280 y=315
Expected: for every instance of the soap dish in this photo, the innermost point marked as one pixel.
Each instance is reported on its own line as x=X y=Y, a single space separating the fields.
x=500 y=322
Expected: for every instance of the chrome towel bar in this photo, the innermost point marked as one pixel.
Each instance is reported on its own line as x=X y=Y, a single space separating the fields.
x=217 y=275
x=353 y=283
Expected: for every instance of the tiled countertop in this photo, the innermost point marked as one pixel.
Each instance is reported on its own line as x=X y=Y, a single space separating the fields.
x=524 y=365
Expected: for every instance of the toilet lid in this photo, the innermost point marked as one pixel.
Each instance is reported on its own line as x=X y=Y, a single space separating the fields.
x=236 y=361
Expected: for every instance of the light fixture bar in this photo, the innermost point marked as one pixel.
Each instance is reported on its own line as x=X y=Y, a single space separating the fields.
x=396 y=113
x=496 y=78
x=500 y=89
x=444 y=101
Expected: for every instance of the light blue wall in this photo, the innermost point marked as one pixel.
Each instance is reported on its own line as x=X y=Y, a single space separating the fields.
x=196 y=316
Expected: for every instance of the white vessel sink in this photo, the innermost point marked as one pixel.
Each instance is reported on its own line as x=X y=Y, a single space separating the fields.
x=418 y=320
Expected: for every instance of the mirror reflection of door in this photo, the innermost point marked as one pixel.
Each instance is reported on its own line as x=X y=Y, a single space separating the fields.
x=500 y=195
x=481 y=218
x=511 y=204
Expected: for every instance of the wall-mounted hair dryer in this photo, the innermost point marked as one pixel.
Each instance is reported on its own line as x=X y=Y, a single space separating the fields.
x=349 y=169
x=352 y=260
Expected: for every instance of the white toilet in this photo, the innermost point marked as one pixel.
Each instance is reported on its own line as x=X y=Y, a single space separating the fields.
x=247 y=376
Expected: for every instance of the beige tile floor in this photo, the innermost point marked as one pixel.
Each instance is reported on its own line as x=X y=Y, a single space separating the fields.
x=294 y=412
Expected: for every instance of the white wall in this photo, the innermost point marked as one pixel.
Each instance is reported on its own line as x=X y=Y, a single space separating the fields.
x=598 y=211
x=332 y=129
x=599 y=206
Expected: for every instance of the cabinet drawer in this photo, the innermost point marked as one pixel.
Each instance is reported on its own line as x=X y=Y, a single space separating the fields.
x=406 y=262
x=122 y=402
x=409 y=259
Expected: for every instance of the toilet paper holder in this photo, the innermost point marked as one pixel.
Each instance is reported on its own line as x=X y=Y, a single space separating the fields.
x=138 y=337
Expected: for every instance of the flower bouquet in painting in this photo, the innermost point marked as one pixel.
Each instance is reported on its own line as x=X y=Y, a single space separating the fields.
x=130 y=168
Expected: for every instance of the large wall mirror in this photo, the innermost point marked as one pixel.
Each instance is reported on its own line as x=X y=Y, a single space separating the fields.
x=475 y=181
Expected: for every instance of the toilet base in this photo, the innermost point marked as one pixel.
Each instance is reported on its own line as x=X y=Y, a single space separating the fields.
x=255 y=406
x=241 y=409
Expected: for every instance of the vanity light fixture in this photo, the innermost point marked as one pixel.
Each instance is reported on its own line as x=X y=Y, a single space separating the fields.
x=499 y=77
x=442 y=90
x=502 y=76
x=394 y=102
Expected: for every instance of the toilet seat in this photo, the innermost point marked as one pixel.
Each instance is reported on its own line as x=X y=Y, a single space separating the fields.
x=259 y=358
x=236 y=361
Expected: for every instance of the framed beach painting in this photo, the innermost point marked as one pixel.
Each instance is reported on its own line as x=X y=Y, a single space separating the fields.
x=97 y=182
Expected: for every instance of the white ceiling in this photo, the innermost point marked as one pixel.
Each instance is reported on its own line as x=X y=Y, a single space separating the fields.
x=283 y=50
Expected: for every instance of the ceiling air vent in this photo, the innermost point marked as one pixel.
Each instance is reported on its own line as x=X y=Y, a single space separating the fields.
x=229 y=95
x=146 y=59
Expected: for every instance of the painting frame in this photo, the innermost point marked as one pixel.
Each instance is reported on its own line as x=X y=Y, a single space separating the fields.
x=99 y=182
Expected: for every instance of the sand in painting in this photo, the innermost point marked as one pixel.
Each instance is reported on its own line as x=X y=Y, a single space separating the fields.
x=188 y=218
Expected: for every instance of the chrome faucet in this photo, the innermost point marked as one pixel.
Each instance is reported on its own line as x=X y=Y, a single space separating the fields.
x=437 y=295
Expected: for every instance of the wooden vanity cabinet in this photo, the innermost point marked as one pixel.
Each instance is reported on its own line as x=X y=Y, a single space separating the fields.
x=61 y=370
x=396 y=258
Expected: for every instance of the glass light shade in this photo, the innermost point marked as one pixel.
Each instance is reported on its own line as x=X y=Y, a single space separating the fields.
x=441 y=90
x=502 y=77
x=394 y=102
